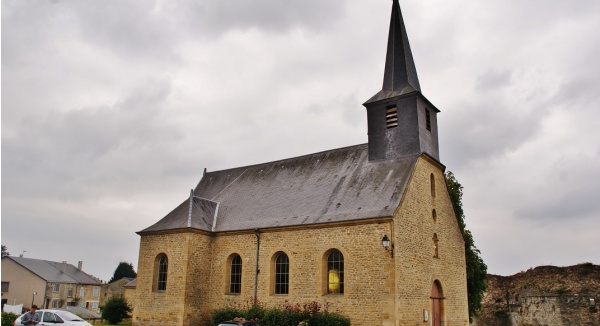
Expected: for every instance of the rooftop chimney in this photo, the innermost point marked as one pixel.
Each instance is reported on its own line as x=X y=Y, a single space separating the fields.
x=64 y=266
x=80 y=265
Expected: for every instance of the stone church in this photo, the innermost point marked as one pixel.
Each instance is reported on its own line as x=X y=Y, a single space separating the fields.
x=368 y=228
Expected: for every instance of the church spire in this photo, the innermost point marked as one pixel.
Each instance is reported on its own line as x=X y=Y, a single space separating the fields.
x=399 y=64
x=401 y=121
x=400 y=74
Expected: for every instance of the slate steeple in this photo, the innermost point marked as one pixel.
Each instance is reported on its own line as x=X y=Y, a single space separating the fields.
x=400 y=74
x=401 y=120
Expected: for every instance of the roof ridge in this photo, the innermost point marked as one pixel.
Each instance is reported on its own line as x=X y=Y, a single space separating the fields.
x=287 y=159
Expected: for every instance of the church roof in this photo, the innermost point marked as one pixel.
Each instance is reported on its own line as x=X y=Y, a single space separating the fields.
x=400 y=75
x=333 y=186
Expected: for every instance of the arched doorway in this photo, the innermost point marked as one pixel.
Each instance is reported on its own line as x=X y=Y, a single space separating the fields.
x=436 y=304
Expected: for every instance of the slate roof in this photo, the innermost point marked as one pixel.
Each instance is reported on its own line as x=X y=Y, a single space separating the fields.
x=131 y=283
x=52 y=271
x=400 y=74
x=331 y=186
x=82 y=312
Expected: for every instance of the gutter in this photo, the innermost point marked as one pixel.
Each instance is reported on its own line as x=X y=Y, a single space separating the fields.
x=256 y=271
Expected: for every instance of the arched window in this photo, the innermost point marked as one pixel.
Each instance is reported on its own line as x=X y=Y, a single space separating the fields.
x=335 y=272
x=235 y=275
x=161 y=272
x=434 y=215
x=432 y=181
x=435 y=245
x=282 y=274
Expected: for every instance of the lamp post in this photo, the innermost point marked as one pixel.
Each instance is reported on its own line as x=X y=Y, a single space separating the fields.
x=33 y=297
x=388 y=245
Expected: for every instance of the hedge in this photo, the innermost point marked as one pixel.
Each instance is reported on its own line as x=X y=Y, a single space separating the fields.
x=309 y=313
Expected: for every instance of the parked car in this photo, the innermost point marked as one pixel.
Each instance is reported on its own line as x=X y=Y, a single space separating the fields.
x=239 y=323
x=53 y=317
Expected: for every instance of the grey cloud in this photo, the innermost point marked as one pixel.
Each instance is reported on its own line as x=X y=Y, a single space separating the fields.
x=579 y=93
x=567 y=194
x=63 y=153
x=143 y=30
x=492 y=80
x=488 y=130
x=273 y=16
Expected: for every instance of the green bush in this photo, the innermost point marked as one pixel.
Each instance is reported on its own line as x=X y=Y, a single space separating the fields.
x=287 y=314
x=8 y=318
x=225 y=314
x=329 y=319
x=283 y=317
x=115 y=310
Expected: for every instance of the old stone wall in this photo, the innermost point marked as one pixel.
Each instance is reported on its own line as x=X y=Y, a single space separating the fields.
x=546 y=295
x=114 y=289
x=167 y=307
x=367 y=276
x=417 y=266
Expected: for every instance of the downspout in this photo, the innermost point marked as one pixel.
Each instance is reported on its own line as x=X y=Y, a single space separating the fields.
x=45 y=302
x=189 y=221
x=256 y=271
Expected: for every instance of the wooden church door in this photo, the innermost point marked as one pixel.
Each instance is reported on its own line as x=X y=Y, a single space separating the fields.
x=436 y=305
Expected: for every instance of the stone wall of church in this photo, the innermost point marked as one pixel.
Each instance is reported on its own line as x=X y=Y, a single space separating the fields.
x=417 y=268
x=199 y=281
x=368 y=270
x=178 y=304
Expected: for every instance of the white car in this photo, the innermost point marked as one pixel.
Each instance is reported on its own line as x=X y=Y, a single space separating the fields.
x=54 y=317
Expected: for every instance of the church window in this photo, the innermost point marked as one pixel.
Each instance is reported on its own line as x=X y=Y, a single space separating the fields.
x=434 y=215
x=235 y=275
x=432 y=181
x=282 y=274
x=335 y=272
x=427 y=120
x=161 y=269
x=391 y=117
x=435 y=246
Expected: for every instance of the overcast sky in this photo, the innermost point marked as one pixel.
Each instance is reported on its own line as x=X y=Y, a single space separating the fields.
x=112 y=109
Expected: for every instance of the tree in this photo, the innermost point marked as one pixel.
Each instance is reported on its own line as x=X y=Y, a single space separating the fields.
x=5 y=251
x=8 y=318
x=115 y=310
x=476 y=268
x=124 y=269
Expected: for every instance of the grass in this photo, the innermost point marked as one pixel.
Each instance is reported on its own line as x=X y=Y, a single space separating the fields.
x=105 y=323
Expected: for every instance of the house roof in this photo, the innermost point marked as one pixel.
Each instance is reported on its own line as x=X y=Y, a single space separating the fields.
x=331 y=186
x=83 y=312
x=55 y=272
x=131 y=283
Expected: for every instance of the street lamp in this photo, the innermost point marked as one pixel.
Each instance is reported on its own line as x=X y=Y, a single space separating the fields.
x=33 y=297
x=388 y=245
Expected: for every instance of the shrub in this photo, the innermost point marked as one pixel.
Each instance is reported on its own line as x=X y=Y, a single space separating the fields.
x=283 y=317
x=329 y=319
x=115 y=310
x=288 y=314
x=224 y=314
x=8 y=318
